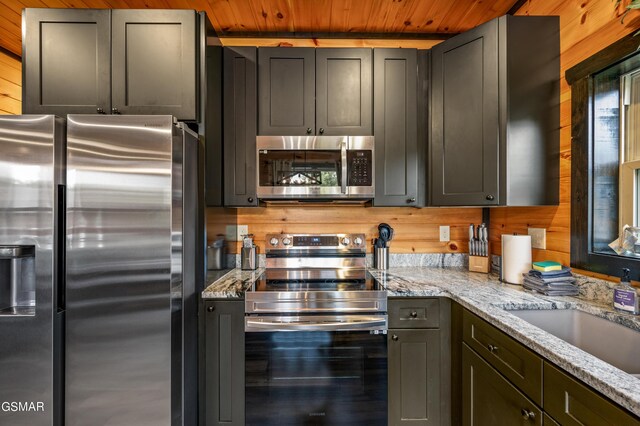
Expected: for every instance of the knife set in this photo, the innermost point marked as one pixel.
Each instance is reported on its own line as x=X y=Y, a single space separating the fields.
x=381 y=246
x=479 y=253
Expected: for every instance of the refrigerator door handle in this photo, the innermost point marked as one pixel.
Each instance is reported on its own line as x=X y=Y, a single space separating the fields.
x=61 y=229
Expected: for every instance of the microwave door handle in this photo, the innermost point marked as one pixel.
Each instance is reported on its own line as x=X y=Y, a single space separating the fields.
x=343 y=153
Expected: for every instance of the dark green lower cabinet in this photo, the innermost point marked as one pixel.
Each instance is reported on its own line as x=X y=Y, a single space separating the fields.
x=506 y=384
x=572 y=403
x=489 y=399
x=414 y=377
x=224 y=363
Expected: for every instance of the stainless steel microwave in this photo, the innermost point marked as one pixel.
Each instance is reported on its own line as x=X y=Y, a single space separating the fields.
x=315 y=167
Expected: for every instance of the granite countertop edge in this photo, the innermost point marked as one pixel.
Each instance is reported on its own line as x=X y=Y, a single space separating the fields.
x=491 y=300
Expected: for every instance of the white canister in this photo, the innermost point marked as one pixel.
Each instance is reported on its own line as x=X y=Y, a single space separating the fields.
x=516 y=258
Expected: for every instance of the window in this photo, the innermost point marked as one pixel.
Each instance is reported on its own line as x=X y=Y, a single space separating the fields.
x=630 y=152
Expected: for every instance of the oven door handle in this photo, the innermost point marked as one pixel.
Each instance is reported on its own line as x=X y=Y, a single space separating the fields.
x=316 y=323
x=343 y=160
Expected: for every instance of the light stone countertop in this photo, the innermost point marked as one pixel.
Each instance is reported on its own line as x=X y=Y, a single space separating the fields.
x=490 y=299
x=232 y=285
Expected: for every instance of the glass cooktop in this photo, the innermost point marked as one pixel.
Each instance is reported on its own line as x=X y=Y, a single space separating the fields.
x=316 y=280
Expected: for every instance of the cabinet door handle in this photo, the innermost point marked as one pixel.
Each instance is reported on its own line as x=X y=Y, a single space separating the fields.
x=414 y=314
x=490 y=197
x=527 y=414
x=394 y=338
x=309 y=130
x=210 y=309
x=492 y=348
x=411 y=200
x=115 y=111
x=100 y=110
x=321 y=130
x=250 y=199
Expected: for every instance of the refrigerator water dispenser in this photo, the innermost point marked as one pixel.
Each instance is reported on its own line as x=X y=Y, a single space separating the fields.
x=17 y=280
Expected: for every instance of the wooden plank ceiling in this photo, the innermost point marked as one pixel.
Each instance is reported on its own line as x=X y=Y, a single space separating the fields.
x=233 y=17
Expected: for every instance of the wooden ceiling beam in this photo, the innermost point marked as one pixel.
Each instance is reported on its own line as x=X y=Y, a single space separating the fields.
x=516 y=6
x=334 y=35
x=10 y=54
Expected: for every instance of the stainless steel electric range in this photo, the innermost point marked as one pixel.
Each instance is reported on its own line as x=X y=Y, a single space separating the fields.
x=315 y=333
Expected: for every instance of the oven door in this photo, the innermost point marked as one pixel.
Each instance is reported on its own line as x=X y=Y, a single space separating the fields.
x=300 y=374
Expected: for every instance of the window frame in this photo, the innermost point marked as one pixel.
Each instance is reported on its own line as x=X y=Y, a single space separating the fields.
x=580 y=78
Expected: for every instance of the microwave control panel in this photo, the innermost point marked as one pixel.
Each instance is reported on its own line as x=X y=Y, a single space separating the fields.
x=359 y=167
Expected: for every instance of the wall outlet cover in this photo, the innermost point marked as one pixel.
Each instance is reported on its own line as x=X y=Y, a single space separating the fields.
x=242 y=230
x=231 y=232
x=445 y=233
x=538 y=238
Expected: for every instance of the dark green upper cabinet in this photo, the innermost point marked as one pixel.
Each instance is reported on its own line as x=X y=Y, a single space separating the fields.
x=211 y=126
x=102 y=61
x=66 y=61
x=239 y=139
x=343 y=92
x=464 y=138
x=398 y=158
x=153 y=63
x=286 y=91
x=307 y=91
x=494 y=122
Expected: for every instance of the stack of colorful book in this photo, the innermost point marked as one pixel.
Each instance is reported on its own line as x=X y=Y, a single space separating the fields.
x=551 y=279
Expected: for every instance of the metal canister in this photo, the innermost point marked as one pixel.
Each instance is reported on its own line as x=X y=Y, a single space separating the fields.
x=381 y=257
x=216 y=258
x=249 y=258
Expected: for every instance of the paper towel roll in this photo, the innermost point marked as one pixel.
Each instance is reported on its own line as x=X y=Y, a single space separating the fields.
x=516 y=258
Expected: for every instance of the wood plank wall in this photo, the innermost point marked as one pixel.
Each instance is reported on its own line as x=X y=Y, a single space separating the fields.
x=10 y=84
x=416 y=230
x=586 y=27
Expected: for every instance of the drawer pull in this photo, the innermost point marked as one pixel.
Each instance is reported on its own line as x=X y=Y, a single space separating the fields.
x=414 y=314
x=492 y=348
x=527 y=414
x=394 y=338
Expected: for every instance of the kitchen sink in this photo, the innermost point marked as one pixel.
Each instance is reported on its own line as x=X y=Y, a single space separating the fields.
x=611 y=342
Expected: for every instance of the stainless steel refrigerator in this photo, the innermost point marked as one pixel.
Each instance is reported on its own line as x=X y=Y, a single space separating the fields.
x=127 y=282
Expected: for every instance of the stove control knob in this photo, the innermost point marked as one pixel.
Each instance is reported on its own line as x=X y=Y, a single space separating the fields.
x=357 y=241
x=286 y=241
x=274 y=241
x=346 y=241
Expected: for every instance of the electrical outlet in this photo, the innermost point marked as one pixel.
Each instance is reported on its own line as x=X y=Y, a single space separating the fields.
x=538 y=238
x=231 y=232
x=445 y=233
x=242 y=230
